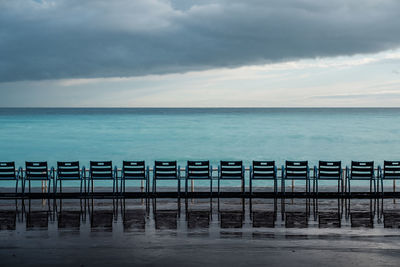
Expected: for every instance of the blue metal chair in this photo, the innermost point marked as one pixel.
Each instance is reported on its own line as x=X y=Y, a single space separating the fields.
x=102 y=170
x=69 y=171
x=390 y=171
x=263 y=170
x=166 y=170
x=361 y=171
x=37 y=171
x=296 y=170
x=9 y=173
x=328 y=171
x=231 y=170
x=198 y=170
x=134 y=170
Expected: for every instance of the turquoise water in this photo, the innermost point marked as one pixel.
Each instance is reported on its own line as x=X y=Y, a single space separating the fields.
x=189 y=134
x=184 y=134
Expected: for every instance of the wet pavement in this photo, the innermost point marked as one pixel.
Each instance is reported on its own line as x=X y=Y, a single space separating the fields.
x=194 y=232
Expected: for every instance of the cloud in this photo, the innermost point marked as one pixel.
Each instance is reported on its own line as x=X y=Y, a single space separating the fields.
x=72 y=39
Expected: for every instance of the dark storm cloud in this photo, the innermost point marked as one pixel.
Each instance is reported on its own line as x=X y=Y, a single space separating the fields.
x=86 y=39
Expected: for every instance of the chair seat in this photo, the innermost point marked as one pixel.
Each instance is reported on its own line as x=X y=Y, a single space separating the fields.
x=69 y=178
x=134 y=178
x=390 y=177
x=199 y=178
x=102 y=178
x=297 y=178
x=362 y=179
x=38 y=178
x=264 y=178
x=230 y=178
x=8 y=178
x=329 y=178
x=166 y=178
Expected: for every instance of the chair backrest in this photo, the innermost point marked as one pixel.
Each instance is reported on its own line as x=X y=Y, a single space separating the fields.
x=36 y=170
x=231 y=170
x=165 y=170
x=264 y=170
x=362 y=169
x=391 y=169
x=134 y=170
x=296 y=170
x=101 y=170
x=68 y=170
x=7 y=171
x=198 y=170
x=329 y=170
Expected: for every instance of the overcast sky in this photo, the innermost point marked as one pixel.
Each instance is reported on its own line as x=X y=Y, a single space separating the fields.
x=186 y=53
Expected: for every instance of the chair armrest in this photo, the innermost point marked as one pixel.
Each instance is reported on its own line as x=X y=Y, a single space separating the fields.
x=115 y=173
x=52 y=173
x=380 y=174
x=19 y=173
x=83 y=173
x=315 y=172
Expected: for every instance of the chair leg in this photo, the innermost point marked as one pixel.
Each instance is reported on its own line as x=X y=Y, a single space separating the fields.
x=219 y=186
x=307 y=187
x=349 y=187
x=48 y=189
x=179 y=187
x=338 y=187
x=250 y=186
x=29 y=187
x=370 y=186
x=16 y=186
x=124 y=190
x=186 y=187
x=80 y=189
x=113 y=186
x=382 y=187
x=211 y=189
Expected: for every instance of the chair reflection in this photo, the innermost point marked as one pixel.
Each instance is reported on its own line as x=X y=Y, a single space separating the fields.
x=361 y=212
x=198 y=213
x=295 y=212
x=134 y=214
x=70 y=213
x=261 y=213
x=166 y=217
x=231 y=212
x=331 y=214
x=102 y=214
x=38 y=218
x=9 y=215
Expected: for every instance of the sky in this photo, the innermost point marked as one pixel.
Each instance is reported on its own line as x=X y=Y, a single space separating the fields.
x=187 y=53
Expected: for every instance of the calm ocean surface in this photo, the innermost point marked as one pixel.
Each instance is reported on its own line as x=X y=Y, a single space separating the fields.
x=185 y=134
x=188 y=134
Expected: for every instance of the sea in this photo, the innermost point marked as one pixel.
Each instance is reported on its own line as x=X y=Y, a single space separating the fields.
x=117 y=134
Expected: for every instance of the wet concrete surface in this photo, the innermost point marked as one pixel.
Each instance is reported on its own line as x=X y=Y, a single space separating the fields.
x=198 y=232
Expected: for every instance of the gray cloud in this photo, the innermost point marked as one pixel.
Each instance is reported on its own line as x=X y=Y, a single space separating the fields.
x=86 y=39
